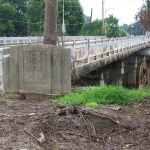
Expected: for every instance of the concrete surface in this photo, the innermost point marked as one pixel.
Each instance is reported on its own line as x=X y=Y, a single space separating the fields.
x=37 y=68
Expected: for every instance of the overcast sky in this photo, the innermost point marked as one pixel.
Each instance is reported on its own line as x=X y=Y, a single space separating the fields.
x=124 y=10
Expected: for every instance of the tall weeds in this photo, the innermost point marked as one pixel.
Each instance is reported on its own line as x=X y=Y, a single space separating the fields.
x=104 y=95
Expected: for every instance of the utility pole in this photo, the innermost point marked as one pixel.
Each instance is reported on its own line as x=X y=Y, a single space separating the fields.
x=63 y=24
x=50 y=25
x=146 y=5
x=103 y=13
x=147 y=13
x=90 y=22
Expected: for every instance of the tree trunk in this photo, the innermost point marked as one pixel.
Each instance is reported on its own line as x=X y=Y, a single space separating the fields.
x=50 y=25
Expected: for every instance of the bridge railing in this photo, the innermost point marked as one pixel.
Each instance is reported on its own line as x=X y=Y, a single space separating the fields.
x=85 y=48
x=39 y=39
x=88 y=50
x=20 y=40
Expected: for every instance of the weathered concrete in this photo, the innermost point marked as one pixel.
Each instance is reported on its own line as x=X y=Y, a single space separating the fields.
x=37 y=68
x=88 y=67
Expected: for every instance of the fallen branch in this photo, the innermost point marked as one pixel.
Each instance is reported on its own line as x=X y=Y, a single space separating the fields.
x=40 y=140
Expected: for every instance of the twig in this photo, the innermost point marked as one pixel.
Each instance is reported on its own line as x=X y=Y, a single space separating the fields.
x=40 y=140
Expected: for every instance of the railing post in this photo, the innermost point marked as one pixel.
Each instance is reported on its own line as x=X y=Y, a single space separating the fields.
x=74 y=53
x=11 y=41
x=23 y=40
x=121 y=44
x=109 y=47
x=102 y=48
x=4 y=40
x=88 y=49
x=18 y=40
x=95 y=51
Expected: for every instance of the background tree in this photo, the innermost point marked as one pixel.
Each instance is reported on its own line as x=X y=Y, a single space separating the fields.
x=134 y=29
x=143 y=16
x=35 y=16
x=74 y=17
x=112 y=27
x=96 y=28
x=20 y=16
x=7 y=27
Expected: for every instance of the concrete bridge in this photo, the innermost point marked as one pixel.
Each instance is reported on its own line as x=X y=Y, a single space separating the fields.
x=107 y=60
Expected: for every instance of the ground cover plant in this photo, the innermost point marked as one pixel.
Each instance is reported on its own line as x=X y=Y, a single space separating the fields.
x=107 y=94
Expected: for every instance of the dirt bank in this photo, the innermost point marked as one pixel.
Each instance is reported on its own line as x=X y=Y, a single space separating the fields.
x=110 y=127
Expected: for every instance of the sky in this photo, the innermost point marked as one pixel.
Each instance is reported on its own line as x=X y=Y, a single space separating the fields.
x=124 y=10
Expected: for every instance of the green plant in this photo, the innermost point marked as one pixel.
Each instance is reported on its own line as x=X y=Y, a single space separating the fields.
x=60 y=120
x=63 y=93
x=107 y=94
x=5 y=93
x=138 y=112
x=135 y=106
x=91 y=104
x=44 y=93
x=46 y=103
x=9 y=103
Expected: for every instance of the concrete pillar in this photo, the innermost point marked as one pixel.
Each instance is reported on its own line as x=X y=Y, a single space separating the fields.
x=102 y=79
x=131 y=76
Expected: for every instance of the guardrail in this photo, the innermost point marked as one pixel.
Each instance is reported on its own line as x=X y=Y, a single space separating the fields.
x=39 y=39
x=88 y=50
x=20 y=40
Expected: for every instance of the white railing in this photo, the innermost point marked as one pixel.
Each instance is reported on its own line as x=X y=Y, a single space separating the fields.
x=39 y=39
x=20 y=40
x=88 y=50
x=85 y=48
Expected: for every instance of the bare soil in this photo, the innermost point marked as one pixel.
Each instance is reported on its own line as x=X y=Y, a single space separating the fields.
x=38 y=123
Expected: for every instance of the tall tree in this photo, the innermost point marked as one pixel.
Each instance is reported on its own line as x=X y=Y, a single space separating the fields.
x=7 y=27
x=50 y=25
x=143 y=16
x=73 y=16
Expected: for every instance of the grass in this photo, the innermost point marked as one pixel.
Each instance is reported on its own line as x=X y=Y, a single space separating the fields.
x=107 y=94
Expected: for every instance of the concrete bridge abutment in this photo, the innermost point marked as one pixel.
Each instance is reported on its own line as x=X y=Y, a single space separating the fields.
x=122 y=72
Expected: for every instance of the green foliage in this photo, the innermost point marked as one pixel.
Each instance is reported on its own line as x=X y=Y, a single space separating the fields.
x=7 y=27
x=112 y=27
x=95 y=29
x=20 y=16
x=143 y=16
x=35 y=14
x=134 y=29
x=9 y=103
x=91 y=104
x=73 y=17
x=104 y=95
x=60 y=120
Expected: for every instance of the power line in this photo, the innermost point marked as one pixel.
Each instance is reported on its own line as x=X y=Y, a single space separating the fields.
x=35 y=23
x=19 y=21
